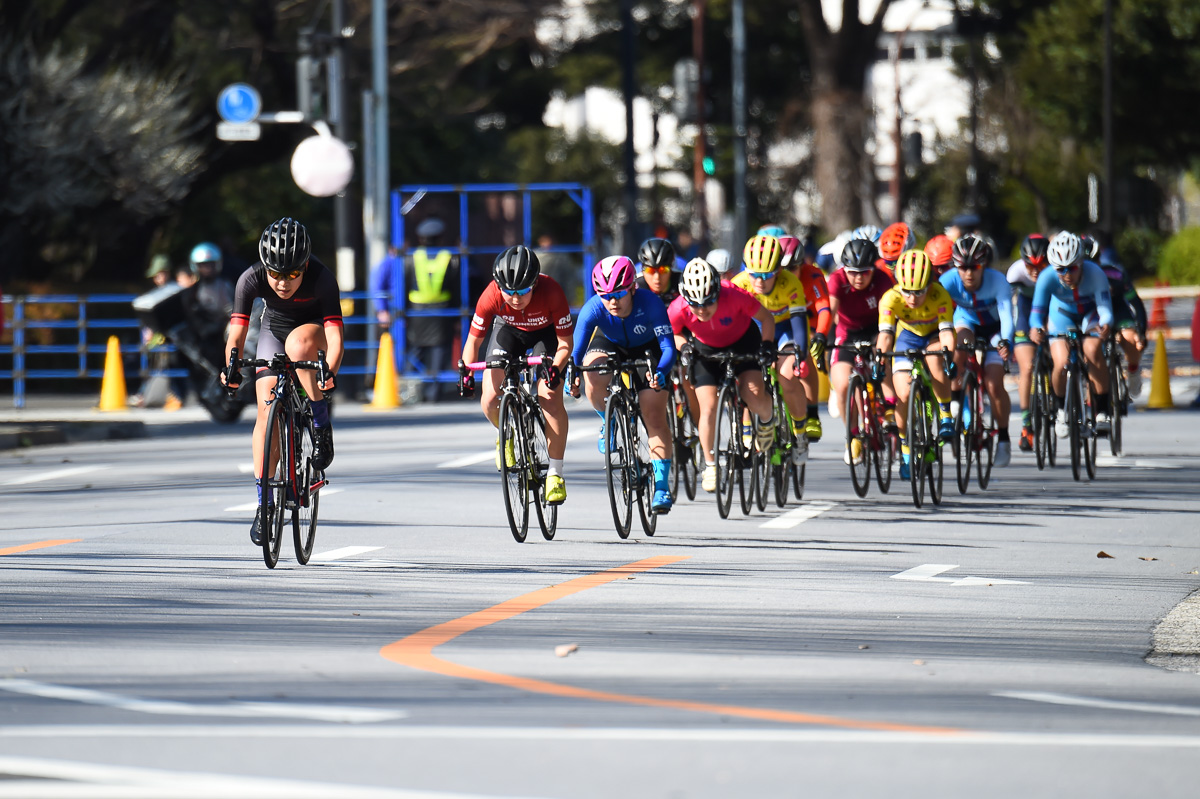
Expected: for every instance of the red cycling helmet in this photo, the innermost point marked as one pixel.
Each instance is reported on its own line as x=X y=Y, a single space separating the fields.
x=614 y=273
x=939 y=249
x=793 y=251
x=895 y=239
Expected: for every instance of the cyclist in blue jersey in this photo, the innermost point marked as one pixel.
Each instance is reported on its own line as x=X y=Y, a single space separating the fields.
x=984 y=300
x=1073 y=296
x=620 y=320
x=1129 y=313
x=1023 y=276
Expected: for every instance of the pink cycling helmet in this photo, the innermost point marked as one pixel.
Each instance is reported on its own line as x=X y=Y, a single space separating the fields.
x=614 y=273
x=791 y=248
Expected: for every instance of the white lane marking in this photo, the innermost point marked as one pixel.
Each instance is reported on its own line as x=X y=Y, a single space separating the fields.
x=344 y=552
x=57 y=473
x=1106 y=704
x=66 y=693
x=254 y=505
x=62 y=779
x=1137 y=463
x=246 y=468
x=481 y=457
x=794 y=518
x=929 y=571
x=733 y=735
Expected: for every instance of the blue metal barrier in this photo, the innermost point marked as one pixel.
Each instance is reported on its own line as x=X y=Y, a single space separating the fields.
x=89 y=351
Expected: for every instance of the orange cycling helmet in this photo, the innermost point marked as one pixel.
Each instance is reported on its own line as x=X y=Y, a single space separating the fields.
x=939 y=249
x=896 y=238
x=762 y=254
x=913 y=270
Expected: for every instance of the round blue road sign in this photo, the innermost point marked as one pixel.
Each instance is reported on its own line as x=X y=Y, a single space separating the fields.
x=239 y=102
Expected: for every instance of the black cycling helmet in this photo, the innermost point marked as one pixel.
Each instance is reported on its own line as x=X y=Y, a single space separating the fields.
x=516 y=268
x=1091 y=247
x=859 y=255
x=284 y=246
x=657 y=252
x=1033 y=250
x=971 y=252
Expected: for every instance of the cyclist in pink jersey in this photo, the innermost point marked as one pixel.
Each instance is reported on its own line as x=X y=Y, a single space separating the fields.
x=854 y=294
x=720 y=317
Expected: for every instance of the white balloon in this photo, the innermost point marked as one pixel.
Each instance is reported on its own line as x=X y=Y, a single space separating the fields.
x=322 y=165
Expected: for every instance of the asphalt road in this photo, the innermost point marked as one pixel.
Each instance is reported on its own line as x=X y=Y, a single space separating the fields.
x=843 y=647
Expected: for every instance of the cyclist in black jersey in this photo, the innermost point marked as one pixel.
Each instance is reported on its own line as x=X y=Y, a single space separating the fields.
x=302 y=314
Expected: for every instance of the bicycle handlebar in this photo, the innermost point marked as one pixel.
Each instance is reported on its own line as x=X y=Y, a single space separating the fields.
x=914 y=354
x=505 y=361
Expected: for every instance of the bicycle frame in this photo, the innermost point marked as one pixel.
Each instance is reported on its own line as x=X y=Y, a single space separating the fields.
x=973 y=438
x=1080 y=406
x=867 y=430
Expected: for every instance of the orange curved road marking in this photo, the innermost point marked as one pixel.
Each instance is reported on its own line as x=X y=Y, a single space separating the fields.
x=416 y=651
x=38 y=545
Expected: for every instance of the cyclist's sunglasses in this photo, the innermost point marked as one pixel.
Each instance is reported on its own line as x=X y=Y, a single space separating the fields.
x=704 y=304
x=856 y=271
x=1066 y=270
x=917 y=293
x=761 y=275
x=289 y=275
x=614 y=295
x=657 y=270
x=517 y=292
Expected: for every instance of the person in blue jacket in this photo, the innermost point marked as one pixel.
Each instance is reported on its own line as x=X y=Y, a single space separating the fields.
x=983 y=298
x=1074 y=296
x=630 y=324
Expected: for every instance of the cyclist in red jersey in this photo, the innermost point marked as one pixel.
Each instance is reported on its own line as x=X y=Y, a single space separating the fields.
x=820 y=319
x=524 y=310
x=721 y=316
x=854 y=294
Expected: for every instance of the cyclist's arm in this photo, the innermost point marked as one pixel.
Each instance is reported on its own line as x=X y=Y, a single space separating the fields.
x=335 y=347
x=767 y=320
x=1004 y=309
x=1041 y=299
x=470 y=353
x=563 y=354
x=946 y=337
x=1103 y=298
x=237 y=338
x=1136 y=304
x=799 y=322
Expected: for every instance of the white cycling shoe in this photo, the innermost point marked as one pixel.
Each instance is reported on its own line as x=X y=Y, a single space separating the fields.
x=1003 y=453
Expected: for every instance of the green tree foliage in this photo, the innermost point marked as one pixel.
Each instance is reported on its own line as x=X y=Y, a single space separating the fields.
x=1179 y=261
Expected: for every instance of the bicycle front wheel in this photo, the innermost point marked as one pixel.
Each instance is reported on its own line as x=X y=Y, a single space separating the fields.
x=886 y=446
x=304 y=509
x=620 y=464
x=727 y=447
x=644 y=474
x=1075 y=420
x=986 y=451
x=275 y=479
x=918 y=440
x=1090 y=442
x=965 y=432
x=514 y=473
x=539 y=470
x=1118 y=390
x=857 y=435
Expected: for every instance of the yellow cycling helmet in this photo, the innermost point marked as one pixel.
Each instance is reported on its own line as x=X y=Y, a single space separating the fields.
x=912 y=270
x=762 y=254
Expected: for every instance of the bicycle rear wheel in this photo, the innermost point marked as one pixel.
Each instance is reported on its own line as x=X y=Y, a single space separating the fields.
x=620 y=464
x=1090 y=442
x=304 y=509
x=858 y=434
x=727 y=447
x=934 y=470
x=965 y=427
x=885 y=449
x=515 y=475
x=781 y=471
x=986 y=453
x=275 y=478
x=1118 y=391
x=746 y=492
x=687 y=455
x=640 y=443
x=539 y=462
x=918 y=441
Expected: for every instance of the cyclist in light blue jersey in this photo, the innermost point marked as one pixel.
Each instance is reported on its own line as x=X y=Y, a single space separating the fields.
x=1074 y=296
x=984 y=300
x=620 y=320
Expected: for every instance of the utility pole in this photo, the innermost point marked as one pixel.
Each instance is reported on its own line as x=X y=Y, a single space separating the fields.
x=1109 y=177
x=740 y=222
x=699 y=178
x=628 y=89
x=895 y=185
x=337 y=117
x=381 y=216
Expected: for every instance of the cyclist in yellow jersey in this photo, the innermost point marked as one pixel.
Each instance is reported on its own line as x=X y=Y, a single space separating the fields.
x=782 y=293
x=917 y=313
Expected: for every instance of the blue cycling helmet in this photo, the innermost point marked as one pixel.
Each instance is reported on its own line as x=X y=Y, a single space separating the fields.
x=869 y=232
x=771 y=230
x=205 y=253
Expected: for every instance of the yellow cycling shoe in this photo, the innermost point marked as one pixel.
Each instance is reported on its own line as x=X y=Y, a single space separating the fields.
x=812 y=429
x=556 y=490
x=510 y=454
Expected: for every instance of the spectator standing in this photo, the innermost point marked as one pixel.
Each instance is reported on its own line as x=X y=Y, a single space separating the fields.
x=431 y=277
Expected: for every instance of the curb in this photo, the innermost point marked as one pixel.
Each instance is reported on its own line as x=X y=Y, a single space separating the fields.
x=38 y=434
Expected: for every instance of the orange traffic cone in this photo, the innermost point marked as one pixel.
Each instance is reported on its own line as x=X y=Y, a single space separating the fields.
x=1158 y=310
x=112 y=387
x=387 y=389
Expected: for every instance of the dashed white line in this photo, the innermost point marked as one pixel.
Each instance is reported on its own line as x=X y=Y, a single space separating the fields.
x=794 y=518
x=1105 y=704
x=928 y=572
x=56 y=474
x=332 y=713
x=344 y=552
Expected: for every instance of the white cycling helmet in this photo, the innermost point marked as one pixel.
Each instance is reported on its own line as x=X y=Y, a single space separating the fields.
x=700 y=283
x=1065 y=250
x=720 y=260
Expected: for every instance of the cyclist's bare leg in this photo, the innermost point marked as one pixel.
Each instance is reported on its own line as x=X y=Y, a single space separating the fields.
x=1132 y=344
x=962 y=335
x=556 y=419
x=754 y=393
x=595 y=385
x=937 y=370
x=993 y=375
x=1093 y=352
x=812 y=387
x=263 y=387
x=706 y=403
x=903 y=382
x=693 y=403
x=793 y=387
x=1058 y=377
x=302 y=345
x=654 y=417
x=1024 y=354
x=489 y=395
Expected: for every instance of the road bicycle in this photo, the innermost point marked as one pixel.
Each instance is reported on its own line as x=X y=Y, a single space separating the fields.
x=778 y=466
x=924 y=445
x=290 y=480
x=1118 y=390
x=734 y=452
x=870 y=438
x=524 y=459
x=1081 y=413
x=687 y=458
x=627 y=468
x=1041 y=401
x=975 y=425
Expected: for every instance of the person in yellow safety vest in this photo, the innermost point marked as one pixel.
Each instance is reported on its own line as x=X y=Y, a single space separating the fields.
x=431 y=277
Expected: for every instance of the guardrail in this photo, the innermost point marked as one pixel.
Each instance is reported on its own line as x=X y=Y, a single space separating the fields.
x=85 y=345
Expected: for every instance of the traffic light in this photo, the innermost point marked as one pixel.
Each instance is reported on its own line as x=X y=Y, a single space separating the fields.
x=710 y=166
